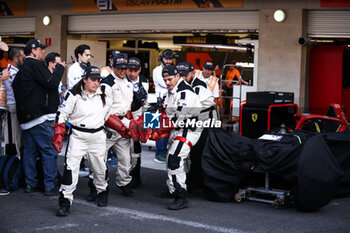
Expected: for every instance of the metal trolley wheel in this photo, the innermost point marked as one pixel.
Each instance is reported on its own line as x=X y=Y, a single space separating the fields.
x=240 y=195
x=278 y=202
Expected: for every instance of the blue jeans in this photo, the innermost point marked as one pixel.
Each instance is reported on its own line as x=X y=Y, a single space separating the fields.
x=38 y=142
x=161 y=146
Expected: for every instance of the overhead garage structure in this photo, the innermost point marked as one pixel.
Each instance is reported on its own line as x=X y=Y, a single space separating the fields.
x=329 y=24
x=224 y=21
x=17 y=26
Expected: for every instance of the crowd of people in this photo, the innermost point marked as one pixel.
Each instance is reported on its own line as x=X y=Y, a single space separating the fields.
x=102 y=110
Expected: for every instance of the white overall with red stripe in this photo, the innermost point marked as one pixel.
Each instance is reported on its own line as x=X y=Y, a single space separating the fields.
x=181 y=104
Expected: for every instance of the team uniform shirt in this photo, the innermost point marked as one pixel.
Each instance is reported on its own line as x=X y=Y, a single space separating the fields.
x=182 y=103
x=206 y=98
x=215 y=91
x=120 y=91
x=136 y=86
x=75 y=73
x=10 y=96
x=204 y=94
x=85 y=110
x=159 y=84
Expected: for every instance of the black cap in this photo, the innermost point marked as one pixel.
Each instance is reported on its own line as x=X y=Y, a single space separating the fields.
x=184 y=68
x=92 y=72
x=113 y=53
x=33 y=44
x=169 y=71
x=134 y=63
x=168 y=53
x=120 y=61
x=209 y=65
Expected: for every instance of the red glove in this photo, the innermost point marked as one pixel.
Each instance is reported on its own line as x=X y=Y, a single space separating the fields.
x=165 y=119
x=115 y=123
x=144 y=134
x=126 y=134
x=133 y=127
x=129 y=115
x=57 y=139
x=155 y=135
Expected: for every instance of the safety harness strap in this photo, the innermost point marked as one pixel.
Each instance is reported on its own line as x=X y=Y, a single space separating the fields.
x=184 y=140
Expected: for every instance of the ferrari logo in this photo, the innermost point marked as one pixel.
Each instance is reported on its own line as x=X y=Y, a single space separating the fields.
x=254 y=117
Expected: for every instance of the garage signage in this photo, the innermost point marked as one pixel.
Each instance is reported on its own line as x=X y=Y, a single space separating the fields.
x=132 y=5
x=220 y=40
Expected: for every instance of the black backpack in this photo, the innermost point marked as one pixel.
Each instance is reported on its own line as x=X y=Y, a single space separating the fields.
x=10 y=172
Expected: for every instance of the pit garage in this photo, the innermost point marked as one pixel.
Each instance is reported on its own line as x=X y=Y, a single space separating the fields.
x=328 y=42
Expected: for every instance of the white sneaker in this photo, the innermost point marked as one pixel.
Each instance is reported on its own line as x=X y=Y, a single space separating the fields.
x=4 y=192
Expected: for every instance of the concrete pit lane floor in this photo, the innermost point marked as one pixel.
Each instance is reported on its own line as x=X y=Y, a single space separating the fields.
x=145 y=212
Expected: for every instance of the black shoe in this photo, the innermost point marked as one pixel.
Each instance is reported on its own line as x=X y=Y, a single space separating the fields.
x=179 y=203
x=135 y=182
x=52 y=192
x=64 y=205
x=102 y=199
x=93 y=192
x=126 y=190
x=92 y=195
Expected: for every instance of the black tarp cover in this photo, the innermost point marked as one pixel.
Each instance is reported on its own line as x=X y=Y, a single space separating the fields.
x=318 y=175
x=313 y=168
x=226 y=159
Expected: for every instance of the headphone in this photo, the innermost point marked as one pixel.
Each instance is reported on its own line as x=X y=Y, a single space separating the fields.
x=85 y=65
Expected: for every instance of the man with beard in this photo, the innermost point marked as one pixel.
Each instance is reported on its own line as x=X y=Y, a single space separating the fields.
x=181 y=105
